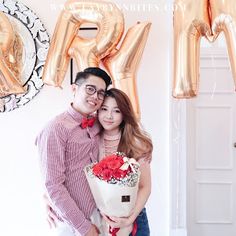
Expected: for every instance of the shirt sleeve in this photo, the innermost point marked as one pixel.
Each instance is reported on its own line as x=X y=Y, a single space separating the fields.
x=52 y=145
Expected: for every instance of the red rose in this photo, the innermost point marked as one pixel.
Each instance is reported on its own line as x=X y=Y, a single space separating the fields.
x=97 y=169
x=106 y=174
x=103 y=164
x=120 y=159
x=114 y=164
x=119 y=174
x=110 y=167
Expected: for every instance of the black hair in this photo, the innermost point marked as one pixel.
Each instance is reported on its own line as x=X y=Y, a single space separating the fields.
x=93 y=71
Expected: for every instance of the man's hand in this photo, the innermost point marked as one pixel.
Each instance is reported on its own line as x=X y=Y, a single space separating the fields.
x=51 y=217
x=93 y=231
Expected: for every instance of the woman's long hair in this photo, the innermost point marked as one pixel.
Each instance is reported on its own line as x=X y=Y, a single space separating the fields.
x=134 y=141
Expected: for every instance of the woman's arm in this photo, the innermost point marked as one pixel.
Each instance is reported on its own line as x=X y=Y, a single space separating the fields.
x=142 y=197
x=144 y=189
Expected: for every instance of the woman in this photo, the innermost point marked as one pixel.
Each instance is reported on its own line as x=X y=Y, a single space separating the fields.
x=121 y=132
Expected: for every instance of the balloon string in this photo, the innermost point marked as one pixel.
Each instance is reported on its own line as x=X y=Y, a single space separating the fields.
x=214 y=72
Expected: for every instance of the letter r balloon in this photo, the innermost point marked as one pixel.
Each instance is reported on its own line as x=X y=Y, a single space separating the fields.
x=66 y=43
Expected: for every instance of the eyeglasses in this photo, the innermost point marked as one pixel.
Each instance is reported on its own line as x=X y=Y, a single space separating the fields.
x=91 y=89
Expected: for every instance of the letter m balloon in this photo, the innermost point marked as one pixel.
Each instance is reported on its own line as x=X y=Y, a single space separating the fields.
x=193 y=20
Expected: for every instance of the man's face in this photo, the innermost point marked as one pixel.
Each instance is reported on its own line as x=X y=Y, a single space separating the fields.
x=88 y=96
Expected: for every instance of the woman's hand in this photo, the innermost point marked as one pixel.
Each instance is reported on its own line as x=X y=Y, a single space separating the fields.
x=118 y=222
x=93 y=231
x=51 y=217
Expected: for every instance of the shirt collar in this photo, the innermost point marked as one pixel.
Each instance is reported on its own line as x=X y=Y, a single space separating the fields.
x=77 y=116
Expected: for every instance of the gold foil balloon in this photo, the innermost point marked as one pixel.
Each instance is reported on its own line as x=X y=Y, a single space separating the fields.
x=66 y=43
x=191 y=22
x=122 y=64
x=224 y=20
x=10 y=59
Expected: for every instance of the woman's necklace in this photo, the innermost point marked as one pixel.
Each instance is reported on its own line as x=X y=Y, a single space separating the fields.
x=110 y=143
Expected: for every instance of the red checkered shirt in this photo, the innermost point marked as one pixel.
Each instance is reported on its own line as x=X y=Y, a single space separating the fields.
x=65 y=149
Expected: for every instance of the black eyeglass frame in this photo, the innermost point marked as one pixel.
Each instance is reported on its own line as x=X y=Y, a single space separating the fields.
x=91 y=90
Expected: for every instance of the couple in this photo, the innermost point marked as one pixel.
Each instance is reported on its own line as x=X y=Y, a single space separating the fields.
x=74 y=139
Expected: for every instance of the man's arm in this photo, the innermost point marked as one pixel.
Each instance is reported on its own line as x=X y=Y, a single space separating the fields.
x=52 y=143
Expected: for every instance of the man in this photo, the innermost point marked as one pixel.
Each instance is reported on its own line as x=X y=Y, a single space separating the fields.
x=69 y=143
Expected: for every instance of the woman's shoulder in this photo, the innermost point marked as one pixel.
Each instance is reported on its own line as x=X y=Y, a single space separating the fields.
x=145 y=160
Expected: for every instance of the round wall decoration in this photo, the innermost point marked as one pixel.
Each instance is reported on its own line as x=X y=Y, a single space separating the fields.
x=35 y=43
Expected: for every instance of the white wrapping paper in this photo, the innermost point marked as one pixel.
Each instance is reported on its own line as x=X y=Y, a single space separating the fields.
x=113 y=200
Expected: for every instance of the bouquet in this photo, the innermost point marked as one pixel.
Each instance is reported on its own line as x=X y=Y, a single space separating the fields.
x=114 y=184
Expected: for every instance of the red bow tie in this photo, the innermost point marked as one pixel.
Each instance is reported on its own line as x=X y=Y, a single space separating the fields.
x=87 y=122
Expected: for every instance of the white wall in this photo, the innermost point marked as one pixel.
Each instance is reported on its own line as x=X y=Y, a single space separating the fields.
x=21 y=206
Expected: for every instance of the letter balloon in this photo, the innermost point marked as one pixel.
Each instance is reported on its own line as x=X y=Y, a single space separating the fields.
x=122 y=63
x=66 y=43
x=10 y=59
x=224 y=20
x=191 y=22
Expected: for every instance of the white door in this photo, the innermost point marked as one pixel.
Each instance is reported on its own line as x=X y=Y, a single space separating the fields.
x=211 y=151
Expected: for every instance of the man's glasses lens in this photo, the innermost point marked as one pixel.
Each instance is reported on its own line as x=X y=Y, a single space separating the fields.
x=90 y=90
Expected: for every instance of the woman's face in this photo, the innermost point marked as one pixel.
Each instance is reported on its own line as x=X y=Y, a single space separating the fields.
x=109 y=115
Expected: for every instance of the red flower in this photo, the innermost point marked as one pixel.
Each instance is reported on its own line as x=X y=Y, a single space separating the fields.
x=97 y=170
x=109 y=168
x=103 y=164
x=118 y=174
x=119 y=159
x=114 y=164
x=106 y=174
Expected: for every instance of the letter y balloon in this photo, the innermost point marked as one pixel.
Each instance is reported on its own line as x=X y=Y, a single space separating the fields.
x=123 y=63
